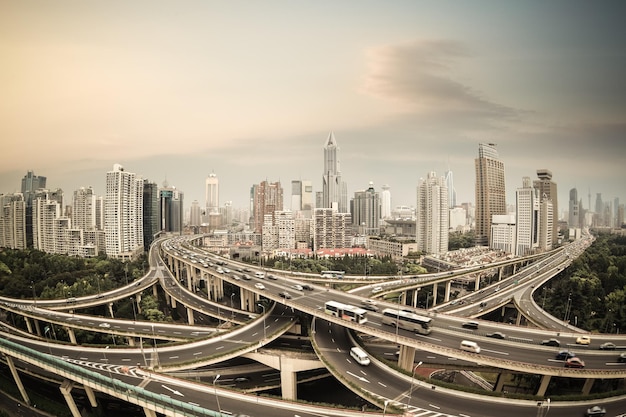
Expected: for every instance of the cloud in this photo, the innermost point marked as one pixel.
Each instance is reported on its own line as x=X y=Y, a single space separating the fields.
x=419 y=76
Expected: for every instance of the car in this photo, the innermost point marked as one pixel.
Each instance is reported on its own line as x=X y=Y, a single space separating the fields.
x=483 y=304
x=307 y=287
x=595 y=411
x=565 y=354
x=246 y=277
x=607 y=346
x=370 y=307
x=297 y=287
x=272 y=277
x=376 y=290
x=574 y=363
x=241 y=379
x=284 y=294
x=470 y=325
x=104 y=325
x=551 y=342
x=583 y=340
x=497 y=335
x=622 y=358
x=259 y=286
x=219 y=270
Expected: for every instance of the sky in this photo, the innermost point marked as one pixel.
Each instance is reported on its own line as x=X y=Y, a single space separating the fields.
x=250 y=91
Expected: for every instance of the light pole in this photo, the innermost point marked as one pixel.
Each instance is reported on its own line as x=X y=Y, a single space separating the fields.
x=232 y=311
x=217 y=398
x=427 y=297
x=411 y=389
x=263 y=307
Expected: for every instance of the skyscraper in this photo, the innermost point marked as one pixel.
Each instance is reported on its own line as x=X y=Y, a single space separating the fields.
x=334 y=190
x=296 y=195
x=490 y=190
x=365 y=210
x=527 y=203
x=30 y=184
x=267 y=199
x=574 y=209
x=170 y=209
x=451 y=191
x=123 y=213
x=150 y=212
x=84 y=209
x=548 y=191
x=385 y=210
x=212 y=203
x=432 y=215
x=13 y=221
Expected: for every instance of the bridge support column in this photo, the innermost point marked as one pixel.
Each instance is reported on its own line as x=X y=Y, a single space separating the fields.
x=502 y=376
x=446 y=296
x=131 y=341
x=149 y=413
x=29 y=326
x=111 y=310
x=518 y=321
x=17 y=379
x=248 y=299
x=406 y=358
x=434 y=294
x=155 y=291
x=416 y=292
x=66 y=390
x=545 y=380
x=138 y=302
x=477 y=283
x=190 y=319
x=288 y=381
x=72 y=335
x=172 y=302
x=587 y=386
x=91 y=396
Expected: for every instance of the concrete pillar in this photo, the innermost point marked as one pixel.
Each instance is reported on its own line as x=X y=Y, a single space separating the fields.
x=66 y=390
x=91 y=396
x=402 y=300
x=477 y=283
x=29 y=326
x=587 y=386
x=502 y=377
x=72 y=335
x=111 y=310
x=17 y=379
x=138 y=302
x=173 y=302
x=37 y=328
x=189 y=269
x=518 y=321
x=131 y=341
x=501 y=271
x=415 y=293
x=434 y=294
x=155 y=290
x=190 y=319
x=149 y=413
x=288 y=381
x=446 y=296
x=406 y=358
x=545 y=380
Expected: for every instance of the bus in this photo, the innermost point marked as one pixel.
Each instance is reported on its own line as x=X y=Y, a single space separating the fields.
x=332 y=274
x=407 y=321
x=346 y=311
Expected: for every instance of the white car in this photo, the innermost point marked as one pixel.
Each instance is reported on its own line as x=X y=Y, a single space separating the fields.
x=376 y=290
x=259 y=286
x=105 y=325
x=583 y=340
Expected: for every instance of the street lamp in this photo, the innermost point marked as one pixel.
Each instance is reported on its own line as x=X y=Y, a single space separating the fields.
x=263 y=307
x=411 y=389
x=217 y=398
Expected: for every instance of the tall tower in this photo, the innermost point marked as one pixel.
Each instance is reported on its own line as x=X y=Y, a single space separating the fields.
x=212 y=194
x=451 y=191
x=84 y=209
x=334 y=190
x=150 y=212
x=574 y=209
x=296 y=195
x=30 y=184
x=432 y=215
x=527 y=203
x=490 y=190
x=267 y=199
x=123 y=213
x=385 y=211
x=548 y=191
x=170 y=209
x=13 y=221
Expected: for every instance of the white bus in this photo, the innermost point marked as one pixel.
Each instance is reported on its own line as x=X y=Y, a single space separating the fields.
x=346 y=311
x=407 y=321
x=332 y=274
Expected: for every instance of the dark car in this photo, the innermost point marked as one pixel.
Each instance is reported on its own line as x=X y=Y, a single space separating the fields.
x=470 y=325
x=574 y=363
x=607 y=346
x=307 y=287
x=272 y=277
x=595 y=411
x=551 y=342
x=496 y=335
x=285 y=294
x=370 y=307
x=565 y=354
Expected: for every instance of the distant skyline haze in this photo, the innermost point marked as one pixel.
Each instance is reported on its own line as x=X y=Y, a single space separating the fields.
x=175 y=91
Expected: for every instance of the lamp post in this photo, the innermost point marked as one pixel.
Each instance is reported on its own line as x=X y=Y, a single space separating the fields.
x=263 y=307
x=217 y=398
x=232 y=311
x=411 y=389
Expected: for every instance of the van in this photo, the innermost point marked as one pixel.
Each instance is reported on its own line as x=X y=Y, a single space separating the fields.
x=470 y=346
x=259 y=275
x=360 y=356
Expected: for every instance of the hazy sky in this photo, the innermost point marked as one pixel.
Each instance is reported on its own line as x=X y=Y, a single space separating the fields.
x=250 y=90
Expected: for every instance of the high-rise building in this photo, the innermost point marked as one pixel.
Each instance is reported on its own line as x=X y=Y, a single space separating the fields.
x=503 y=233
x=331 y=229
x=46 y=212
x=451 y=191
x=599 y=214
x=30 y=184
x=432 y=215
x=123 y=213
x=574 y=209
x=212 y=194
x=296 y=195
x=84 y=209
x=13 y=221
x=546 y=224
x=171 y=209
x=385 y=209
x=365 y=210
x=195 y=214
x=548 y=191
x=334 y=189
x=490 y=190
x=527 y=203
x=150 y=212
x=267 y=199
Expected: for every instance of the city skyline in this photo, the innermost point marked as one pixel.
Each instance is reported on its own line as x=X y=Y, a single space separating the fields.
x=252 y=93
